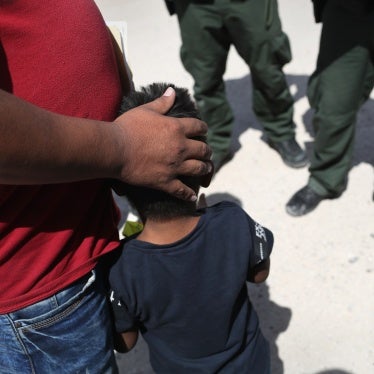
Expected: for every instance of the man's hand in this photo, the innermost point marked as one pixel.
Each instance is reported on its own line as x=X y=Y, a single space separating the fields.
x=158 y=149
x=142 y=147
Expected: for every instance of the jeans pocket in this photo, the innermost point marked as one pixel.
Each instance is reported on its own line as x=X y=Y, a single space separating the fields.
x=75 y=336
x=54 y=308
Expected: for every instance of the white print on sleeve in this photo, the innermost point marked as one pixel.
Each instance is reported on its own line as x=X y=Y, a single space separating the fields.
x=260 y=232
x=112 y=299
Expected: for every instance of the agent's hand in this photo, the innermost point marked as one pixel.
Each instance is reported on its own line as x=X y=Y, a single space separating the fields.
x=158 y=149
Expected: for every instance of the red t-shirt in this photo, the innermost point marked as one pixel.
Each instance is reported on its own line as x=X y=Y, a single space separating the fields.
x=57 y=55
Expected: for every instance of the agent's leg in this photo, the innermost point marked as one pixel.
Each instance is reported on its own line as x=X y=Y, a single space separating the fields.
x=69 y=332
x=342 y=81
x=204 y=53
x=335 y=114
x=256 y=32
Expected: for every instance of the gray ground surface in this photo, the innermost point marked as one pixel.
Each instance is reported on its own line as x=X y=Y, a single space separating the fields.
x=317 y=308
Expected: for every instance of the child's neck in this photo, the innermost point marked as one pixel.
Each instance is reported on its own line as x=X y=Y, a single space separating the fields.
x=168 y=231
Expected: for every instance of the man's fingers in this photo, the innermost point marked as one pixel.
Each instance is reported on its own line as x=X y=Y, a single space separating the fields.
x=181 y=191
x=163 y=104
x=193 y=127
x=207 y=178
x=196 y=168
x=197 y=150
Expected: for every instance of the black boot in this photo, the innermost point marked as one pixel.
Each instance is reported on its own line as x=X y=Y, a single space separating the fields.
x=303 y=202
x=290 y=151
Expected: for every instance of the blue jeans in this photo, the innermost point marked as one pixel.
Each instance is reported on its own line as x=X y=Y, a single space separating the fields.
x=70 y=332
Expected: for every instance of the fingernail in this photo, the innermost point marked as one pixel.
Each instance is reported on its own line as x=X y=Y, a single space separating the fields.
x=193 y=198
x=210 y=167
x=168 y=92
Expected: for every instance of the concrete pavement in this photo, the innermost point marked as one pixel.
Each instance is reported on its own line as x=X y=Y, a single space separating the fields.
x=317 y=308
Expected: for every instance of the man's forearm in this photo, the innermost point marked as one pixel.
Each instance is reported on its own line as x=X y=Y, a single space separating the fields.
x=141 y=147
x=40 y=147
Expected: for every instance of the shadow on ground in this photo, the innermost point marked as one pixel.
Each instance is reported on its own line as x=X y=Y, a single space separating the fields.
x=274 y=320
x=334 y=371
x=136 y=361
x=239 y=93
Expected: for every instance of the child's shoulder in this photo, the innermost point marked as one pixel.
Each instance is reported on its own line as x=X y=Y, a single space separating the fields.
x=127 y=243
x=123 y=259
x=224 y=212
x=225 y=205
x=124 y=251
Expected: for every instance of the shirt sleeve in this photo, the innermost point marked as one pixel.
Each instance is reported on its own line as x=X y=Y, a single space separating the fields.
x=262 y=243
x=123 y=318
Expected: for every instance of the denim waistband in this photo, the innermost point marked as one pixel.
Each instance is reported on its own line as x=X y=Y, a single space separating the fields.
x=52 y=302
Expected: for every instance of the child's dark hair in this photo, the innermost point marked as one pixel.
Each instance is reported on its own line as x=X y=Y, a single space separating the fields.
x=152 y=203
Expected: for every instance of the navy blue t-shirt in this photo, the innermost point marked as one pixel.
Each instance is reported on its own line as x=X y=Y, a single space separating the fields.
x=189 y=299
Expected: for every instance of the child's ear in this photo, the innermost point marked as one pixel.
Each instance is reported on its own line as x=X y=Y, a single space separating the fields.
x=206 y=179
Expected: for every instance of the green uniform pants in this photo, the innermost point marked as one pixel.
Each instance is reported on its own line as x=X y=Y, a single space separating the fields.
x=341 y=83
x=208 y=29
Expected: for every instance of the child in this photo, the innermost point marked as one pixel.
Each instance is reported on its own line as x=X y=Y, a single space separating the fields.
x=181 y=282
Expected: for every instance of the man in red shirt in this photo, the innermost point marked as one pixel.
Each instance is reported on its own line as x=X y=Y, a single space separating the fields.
x=60 y=145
